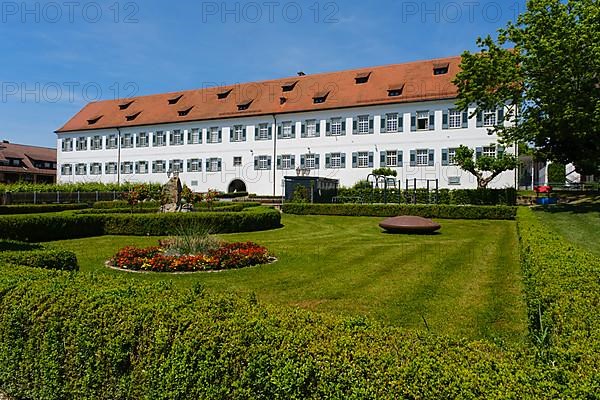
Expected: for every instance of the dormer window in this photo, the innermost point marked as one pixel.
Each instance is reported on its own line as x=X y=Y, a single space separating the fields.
x=396 y=90
x=132 y=117
x=185 y=112
x=362 y=77
x=282 y=100
x=224 y=94
x=320 y=97
x=244 y=105
x=289 y=86
x=440 y=68
x=175 y=100
x=94 y=120
x=125 y=106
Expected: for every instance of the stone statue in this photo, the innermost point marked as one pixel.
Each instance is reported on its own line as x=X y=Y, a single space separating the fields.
x=171 y=195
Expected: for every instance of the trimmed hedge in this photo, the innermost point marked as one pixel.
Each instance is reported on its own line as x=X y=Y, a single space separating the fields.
x=92 y=337
x=45 y=259
x=490 y=197
x=43 y=228
x=40 y=208
x=108 y=205
x=562 y=284
x=391 y=210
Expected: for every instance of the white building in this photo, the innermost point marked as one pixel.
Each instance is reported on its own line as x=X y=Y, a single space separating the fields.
x=247 y=137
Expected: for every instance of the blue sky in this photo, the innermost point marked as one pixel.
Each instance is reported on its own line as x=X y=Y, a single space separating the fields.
x=57 y=56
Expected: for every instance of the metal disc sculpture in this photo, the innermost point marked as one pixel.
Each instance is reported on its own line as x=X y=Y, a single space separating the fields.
x=410 y=224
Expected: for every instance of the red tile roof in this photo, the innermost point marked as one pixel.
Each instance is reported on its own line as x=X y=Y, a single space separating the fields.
x=27 y=155
x=418 y=79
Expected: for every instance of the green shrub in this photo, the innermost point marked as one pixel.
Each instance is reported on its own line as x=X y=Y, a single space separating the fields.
x=391 y=210
x=99 y=337
x=489 y=197
x=45 y=259
x=40 y=208
x=120 y=204
x=562 y=285
x=557 y=173
x=24 y=187
x=43 y=228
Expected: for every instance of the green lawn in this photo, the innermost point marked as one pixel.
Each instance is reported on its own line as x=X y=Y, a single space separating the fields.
x=464 y=281
x=579 y=224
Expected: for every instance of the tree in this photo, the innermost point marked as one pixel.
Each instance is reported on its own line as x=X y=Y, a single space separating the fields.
x=484 y=168
x=550 y=79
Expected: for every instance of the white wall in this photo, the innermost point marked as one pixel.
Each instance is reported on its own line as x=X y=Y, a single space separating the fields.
x=261 y=182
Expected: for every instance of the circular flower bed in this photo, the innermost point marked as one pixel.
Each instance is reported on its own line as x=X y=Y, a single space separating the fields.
x=226 y=256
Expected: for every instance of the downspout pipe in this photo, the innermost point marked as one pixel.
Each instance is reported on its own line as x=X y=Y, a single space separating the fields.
x=274 y=161
x=119 y=157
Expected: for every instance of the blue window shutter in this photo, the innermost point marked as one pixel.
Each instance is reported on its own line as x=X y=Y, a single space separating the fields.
x=354 y=160
x=478 y=152
x=413 y=158
x=400 y=158
x=371 y=125
x=279 y=162
x=431 y=157
x=279 y=133
x=208 y=164
x=317 y=161
x=255 y=163
x=302 y=161
x=501 y=116
x=343 y=163
x=256 y=129
x=293 y=162
x=383 y=159
x=444 y=157
x=231 y=133
x=344 y=127
x=244 y=135
x=371 y=159
x=383 y=125
x=431 y=120
x=400 y=123
x=219 y=165
x=303 y=131
x=270 y=137
x=269 y=162
x=413 y=123
x=170 y=138
x=445 y=120
x=189 y=166
x=318 y=127
x=328 y=129
x=465 y=119
x=500 y=151
x=480 y=119
x=220 y=136
x=294 y=130
x=354 y=126
x=327 y=160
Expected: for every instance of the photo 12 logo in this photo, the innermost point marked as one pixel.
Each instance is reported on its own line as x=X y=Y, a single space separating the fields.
x=271 y=12
x=459 y=12
x=68 y=12
x=64 y=92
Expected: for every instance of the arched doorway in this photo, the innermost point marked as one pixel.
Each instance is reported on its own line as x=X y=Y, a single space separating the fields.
x=237 y=186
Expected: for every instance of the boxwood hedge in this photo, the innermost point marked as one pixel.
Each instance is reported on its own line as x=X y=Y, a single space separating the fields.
x=390 y=210
x=42 y=228
x=40 y=208
x=36 y=256
x=562 y=284
x=99 y=337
